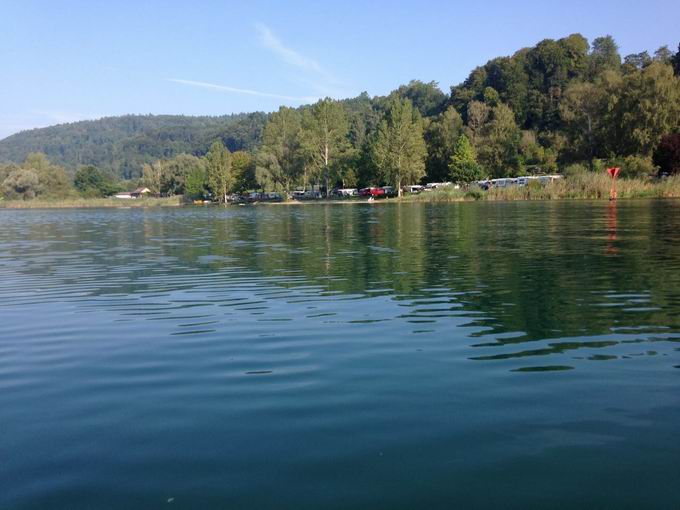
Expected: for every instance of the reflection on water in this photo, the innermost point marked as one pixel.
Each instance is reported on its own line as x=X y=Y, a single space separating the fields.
x=611 y=226
x=304 y=356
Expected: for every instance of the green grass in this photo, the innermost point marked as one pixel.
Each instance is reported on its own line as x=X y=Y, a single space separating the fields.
x=80 y=202
x=584 y=186
x=438 y=195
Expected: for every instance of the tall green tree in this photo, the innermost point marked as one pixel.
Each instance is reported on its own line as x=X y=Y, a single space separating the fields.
x=243 y=167
x=279 y=161
x=463 y=166
x=663 y=55
x=636 y=61
x=427 y=98
x=491 y=96
x=175 y=172
x=218 y=171
x=478 y=114
x=90 y=181
x=152 y=175
x=508 y=76
x=441 y=135
x=604 y=55
x=583 y=109
x=325 y=137
x=497 y=143
x=399 y=149
x=647 y=107
x=196 y=184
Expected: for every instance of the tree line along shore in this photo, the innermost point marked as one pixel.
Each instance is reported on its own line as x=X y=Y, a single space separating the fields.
x=582 y=186
x=561 y=107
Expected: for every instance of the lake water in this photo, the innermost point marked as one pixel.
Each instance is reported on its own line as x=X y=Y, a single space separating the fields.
x=473 y=355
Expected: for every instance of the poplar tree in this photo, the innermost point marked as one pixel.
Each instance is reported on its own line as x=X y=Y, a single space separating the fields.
x=279 y=160
x=398 y=150
x=325 y=136
x=441 y=135
x=151 y=176
x=218 y=170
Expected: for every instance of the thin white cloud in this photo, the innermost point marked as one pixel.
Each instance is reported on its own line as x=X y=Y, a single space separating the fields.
x=289 y=55
x=224 y=88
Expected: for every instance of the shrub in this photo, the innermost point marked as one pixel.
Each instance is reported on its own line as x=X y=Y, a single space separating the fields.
x=598 y=165
x=575 y=169
x=637 y=167
x=92 y=182
x=474 y=193
x=21 y=184
x=195 y=184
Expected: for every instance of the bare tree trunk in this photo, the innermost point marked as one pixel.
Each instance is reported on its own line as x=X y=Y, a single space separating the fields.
x=325 y=160
x=326 y=178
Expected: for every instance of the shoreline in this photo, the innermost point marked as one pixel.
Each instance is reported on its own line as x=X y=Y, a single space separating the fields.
x=92 y=203
x=84 y=204
x=578 y=187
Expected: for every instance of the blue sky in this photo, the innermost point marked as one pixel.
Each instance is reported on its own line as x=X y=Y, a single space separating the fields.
x=69 y=60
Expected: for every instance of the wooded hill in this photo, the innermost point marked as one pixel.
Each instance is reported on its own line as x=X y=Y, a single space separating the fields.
x=559 y=103
x=121 y=145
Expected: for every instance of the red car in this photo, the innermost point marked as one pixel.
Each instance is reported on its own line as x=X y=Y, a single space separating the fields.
x=372 y=192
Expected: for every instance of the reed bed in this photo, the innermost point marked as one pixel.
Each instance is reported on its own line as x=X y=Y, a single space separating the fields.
x=583 y=187
x=80 y=202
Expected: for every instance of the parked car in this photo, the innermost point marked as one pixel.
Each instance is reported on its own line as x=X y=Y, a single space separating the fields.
x=436 y=185
x=389 y=191
x=372 y=192
x=345 y=192
x=235 y=198
x=414 y=188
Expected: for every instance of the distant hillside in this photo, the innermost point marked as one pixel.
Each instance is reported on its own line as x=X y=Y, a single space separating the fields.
x=122 y=144
x=559 y=103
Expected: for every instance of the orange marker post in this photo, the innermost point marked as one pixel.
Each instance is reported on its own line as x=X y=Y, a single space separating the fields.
x=613 y=173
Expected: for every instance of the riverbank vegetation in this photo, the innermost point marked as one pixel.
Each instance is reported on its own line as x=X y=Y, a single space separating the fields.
x=563 y=106
x=585 y=186
x=79 y=202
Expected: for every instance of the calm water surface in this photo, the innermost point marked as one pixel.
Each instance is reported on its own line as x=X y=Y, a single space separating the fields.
x=476 y=355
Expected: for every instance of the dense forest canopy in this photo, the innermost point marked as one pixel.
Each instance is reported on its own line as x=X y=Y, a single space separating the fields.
x=564 y=105
x=121 y=145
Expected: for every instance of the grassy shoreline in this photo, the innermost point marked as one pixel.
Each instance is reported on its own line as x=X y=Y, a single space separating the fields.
x=87 y=203
x=579 y=187
x=586 y=186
